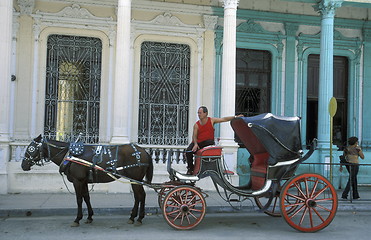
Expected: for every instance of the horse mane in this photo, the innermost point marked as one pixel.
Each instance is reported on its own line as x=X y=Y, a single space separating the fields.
x=56 y=142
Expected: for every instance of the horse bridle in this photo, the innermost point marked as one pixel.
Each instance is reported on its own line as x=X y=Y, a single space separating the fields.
x=31 y=156
x=40 y=159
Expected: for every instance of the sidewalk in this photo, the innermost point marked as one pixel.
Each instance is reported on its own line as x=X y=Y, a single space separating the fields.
x=49 y=204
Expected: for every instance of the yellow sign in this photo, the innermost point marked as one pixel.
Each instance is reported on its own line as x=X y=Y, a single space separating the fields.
x=332 y=108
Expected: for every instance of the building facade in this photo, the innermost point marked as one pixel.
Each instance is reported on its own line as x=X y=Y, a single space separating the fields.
x=120 y=71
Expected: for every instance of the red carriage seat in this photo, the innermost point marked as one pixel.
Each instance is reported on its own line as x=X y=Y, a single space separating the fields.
x=258 y=169
x=206 y=151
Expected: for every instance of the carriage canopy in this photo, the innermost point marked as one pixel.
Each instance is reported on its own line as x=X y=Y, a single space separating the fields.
x=268 y=133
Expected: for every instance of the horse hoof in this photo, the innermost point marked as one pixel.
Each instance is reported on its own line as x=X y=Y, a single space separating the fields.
x=130 y=221
x=75 y=224
x=88 y=221
x=138 y=223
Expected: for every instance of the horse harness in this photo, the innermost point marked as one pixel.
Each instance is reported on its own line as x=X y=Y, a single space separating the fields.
x=73 y=156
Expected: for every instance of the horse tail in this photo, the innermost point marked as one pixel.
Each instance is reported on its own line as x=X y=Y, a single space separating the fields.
x=149 y=172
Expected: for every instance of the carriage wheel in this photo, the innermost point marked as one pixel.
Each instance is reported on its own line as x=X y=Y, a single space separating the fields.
x=308 y=202
x=184 y=207
x=274 y=209
x=161 y=195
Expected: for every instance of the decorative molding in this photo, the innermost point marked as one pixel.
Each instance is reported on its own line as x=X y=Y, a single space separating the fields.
x=337 y=36
x=167 y=19
x=252 y=33
x=251 y=27
x=74 y=12
x=26 y=6
x=72 y=17
x=168 y=23
x=352 y=44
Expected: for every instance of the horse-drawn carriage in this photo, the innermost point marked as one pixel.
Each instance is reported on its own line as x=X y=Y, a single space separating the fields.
x=307 y=202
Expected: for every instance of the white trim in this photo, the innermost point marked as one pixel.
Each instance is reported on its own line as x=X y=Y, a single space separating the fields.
x=265 y=189
x=286 y=163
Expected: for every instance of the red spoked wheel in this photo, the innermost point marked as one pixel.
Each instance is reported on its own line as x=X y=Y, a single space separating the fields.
x=184 y=207
x=308 y=202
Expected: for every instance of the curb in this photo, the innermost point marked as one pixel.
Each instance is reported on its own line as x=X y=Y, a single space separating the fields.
x=348 y=207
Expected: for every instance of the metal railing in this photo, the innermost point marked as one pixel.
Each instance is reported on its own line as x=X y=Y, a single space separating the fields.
x=339 y=179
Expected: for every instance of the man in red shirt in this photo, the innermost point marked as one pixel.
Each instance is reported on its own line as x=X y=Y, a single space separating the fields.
x=203 y=134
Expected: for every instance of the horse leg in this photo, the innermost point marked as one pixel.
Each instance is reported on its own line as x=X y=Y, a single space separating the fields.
x=134 y=211
x=142 y=197
x=86 y=197
x=78 y=191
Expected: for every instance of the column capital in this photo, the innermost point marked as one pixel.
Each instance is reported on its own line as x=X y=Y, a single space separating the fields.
x=291 y=28
x=26 y=6
x=210 y=22
x=327 y=7
x=230 y=3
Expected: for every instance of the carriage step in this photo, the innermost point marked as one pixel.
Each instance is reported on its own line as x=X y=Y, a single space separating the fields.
x=234 y=200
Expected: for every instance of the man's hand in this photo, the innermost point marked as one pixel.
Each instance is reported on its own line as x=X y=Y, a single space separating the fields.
x=195 y=148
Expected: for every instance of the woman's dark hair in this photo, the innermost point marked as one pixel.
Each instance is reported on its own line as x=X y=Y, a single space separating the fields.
x=352 y=140
x=204 y=109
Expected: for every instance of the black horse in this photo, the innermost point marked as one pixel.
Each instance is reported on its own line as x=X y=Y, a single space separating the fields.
x=95 y=164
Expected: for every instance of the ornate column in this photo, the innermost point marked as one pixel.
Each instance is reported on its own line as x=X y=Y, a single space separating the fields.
x=6 y=16
x=326 y=81
x=228 y=89
x=121 y=99
x=228 y=84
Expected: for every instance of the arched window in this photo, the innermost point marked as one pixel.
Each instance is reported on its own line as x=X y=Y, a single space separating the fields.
x=164 y=94
x=72 y=93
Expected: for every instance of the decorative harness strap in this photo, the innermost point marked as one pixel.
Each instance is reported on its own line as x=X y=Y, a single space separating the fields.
x=112 y=162
x=137 y=164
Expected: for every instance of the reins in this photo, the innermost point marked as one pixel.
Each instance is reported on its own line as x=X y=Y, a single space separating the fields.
x=112 y=175
x=48 y=144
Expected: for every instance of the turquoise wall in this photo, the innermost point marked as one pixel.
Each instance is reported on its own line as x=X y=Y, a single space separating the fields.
x=290 y=49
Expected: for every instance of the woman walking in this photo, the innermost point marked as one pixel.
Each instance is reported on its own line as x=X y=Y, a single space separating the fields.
x=352 y=153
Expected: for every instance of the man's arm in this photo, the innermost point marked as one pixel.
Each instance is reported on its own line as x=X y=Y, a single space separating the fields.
x=194 y=138
x=224 y=119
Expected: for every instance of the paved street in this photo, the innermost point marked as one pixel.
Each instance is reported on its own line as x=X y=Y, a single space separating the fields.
x=252 y=225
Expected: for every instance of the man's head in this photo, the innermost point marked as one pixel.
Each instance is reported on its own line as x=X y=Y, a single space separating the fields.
x=202 y=112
